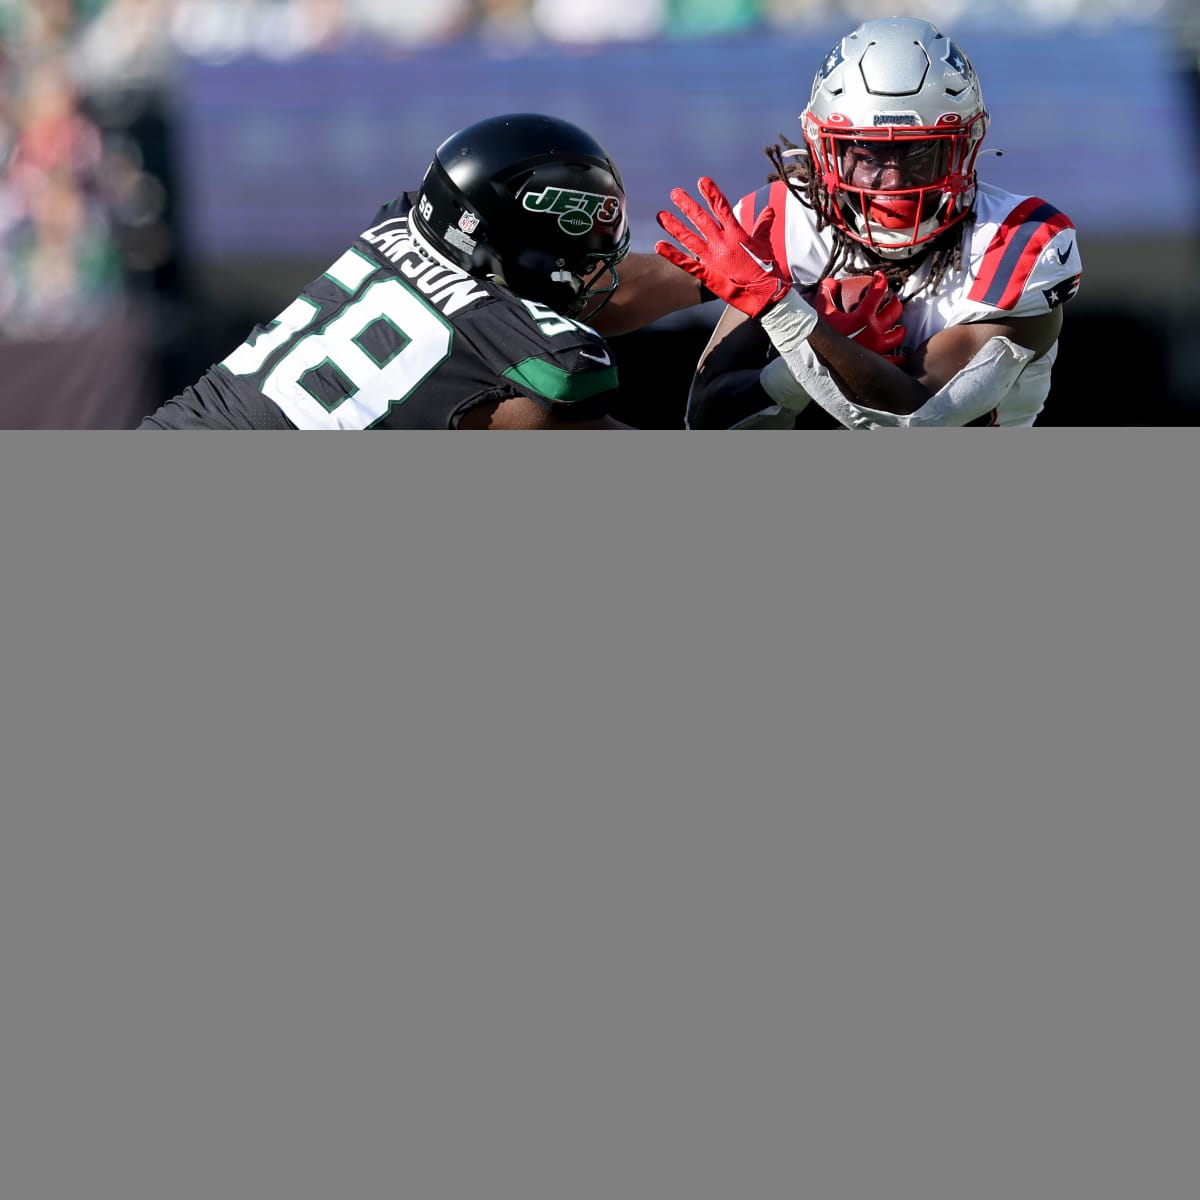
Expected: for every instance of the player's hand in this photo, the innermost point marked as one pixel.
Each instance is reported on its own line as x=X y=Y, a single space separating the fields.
x=873 y=321
x=733 y=264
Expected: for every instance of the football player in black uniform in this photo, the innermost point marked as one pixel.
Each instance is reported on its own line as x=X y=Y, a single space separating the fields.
x=457 y=308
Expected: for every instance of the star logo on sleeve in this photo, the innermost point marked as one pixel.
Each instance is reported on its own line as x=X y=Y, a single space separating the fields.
x=1060 y=293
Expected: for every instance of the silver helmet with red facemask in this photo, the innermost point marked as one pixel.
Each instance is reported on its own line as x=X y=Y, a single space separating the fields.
x=893 y=129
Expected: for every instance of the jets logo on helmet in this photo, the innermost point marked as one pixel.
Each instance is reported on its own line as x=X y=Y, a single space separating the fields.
x=577 y=212
x=546 y=206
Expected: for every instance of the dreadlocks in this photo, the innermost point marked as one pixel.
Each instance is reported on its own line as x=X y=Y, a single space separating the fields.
x=944 y=254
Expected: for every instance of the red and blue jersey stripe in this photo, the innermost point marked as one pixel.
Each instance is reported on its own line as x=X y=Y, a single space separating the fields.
x=1014 y=251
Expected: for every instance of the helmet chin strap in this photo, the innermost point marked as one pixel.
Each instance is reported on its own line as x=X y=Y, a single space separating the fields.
x=567 y=277
x=897 y=252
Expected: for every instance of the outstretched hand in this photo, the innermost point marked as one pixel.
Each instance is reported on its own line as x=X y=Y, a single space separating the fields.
x=736 y=265
x=873 y=320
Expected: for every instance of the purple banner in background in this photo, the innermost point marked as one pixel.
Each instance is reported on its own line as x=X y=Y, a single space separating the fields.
x=288 y=160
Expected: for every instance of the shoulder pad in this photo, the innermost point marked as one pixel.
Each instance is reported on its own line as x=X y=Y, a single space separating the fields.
x=1009 y=267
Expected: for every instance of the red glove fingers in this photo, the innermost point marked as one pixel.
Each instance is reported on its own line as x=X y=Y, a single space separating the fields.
x=736 y=265
x=873 y=320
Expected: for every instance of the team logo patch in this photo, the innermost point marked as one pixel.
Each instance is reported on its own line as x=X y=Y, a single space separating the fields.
x=956 y=60
x=577 y=212
x=1060 y=293
x=468 y=222
x=829 y=64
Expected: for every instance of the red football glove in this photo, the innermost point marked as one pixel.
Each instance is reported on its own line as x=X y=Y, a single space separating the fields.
x=873 y=321
x=733 y=264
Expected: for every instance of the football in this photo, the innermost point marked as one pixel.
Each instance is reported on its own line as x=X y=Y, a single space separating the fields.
x=851 y=290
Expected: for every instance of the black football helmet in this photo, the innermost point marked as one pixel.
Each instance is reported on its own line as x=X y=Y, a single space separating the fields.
x=531 y=201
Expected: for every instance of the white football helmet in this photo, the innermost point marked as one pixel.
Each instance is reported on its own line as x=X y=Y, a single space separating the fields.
x=893 y=129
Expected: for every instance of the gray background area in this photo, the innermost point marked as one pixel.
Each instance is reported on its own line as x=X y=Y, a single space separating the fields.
x=667 y=818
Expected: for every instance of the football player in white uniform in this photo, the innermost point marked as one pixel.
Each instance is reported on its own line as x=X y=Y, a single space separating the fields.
x=959 y=320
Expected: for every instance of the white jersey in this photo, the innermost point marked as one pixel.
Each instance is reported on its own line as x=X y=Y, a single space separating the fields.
x=1021 y=259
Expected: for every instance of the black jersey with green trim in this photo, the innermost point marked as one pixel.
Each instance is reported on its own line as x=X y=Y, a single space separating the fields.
x=390 y=337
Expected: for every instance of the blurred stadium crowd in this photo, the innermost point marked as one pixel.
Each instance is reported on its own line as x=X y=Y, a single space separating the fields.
x=86 y=187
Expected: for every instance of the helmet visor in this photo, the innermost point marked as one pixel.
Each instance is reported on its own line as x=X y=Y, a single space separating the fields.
x=894 y=165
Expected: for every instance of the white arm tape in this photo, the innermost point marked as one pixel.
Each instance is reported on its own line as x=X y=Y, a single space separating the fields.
x=975 y=390
x=789 y=322
x=801 y=373
x=775 y=417
x=797 y=375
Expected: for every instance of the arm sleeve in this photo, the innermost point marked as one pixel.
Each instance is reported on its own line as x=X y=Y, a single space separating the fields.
x=975 y=390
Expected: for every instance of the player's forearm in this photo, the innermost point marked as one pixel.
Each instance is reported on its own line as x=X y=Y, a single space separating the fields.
x=649 y=288
x=979 y=386
x=864 y=377
x=842 y=379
